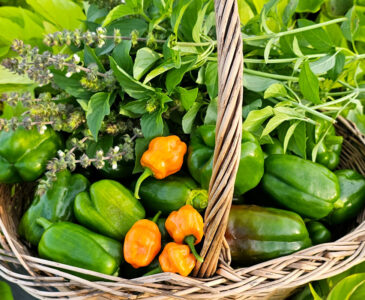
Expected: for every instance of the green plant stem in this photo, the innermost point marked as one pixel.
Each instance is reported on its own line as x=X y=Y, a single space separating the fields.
x=270 y=75
x=314 y=112
x=350 y=96
x=292 y=31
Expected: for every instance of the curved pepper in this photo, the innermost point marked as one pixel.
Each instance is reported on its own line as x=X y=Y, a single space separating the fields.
x=300 y=185
x=352 y=196
x=200 y=159
x=330 y=148
x=255 y=234
x=186 y=226
x=172 y=193
x=24 y=153
x=142 y=243
x=164 y=157
x=110 y=209
x=74 y=245
x=56 y=204
x=176 y=258
x=318 y=233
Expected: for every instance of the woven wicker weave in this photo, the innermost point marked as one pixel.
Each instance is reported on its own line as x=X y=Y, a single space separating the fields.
x=274 y=279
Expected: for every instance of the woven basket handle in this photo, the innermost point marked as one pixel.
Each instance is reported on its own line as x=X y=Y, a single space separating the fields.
x=228 y=134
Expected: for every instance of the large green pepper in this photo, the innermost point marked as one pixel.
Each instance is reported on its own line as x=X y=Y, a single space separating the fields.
x=172 y=193
x=300 y=185
x=56 y=204
x=109 y=209
x=74 y=245
x=255 y=234
x=24 y=153
x=200 y=159
x=330 y=148
x=352 y=197
x=318 y=233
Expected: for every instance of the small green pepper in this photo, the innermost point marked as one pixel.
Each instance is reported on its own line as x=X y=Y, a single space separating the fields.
x=110 y=209
x=329 y=149
x=275 y=148
x=56 y=204
x=352 y=197
x=318 y=233
x=74 y=245
x=200 y=159
x=171 y=193
x=255 y=234
x=300 y=185
x=24 y=153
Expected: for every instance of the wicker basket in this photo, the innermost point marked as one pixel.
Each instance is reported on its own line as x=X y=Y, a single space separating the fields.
x=274 y=279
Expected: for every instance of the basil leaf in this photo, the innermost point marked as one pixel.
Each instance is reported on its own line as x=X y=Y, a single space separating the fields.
x=145 y=59
x=257 y=83
x=131 y=7
x=318 y=37
x=352 y=287
x=309 y=6
x=71 y=85
x=187 y=97
x=98 y=108
x=309 y=84
x=275 y=90
x=152 y=124
x=140 y=147
x=90 y=57
x=122 y=57
x=256 y=118
x=211 y=79
x=323 y=64
x=175 y=76
x=189 y=117
x=212 y=110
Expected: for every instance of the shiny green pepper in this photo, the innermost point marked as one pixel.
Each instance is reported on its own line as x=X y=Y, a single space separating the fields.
x=24 y=153
x=255 y=234
x=56 y=204
x=109 y=209
x=318 y=233
x=74 y=245
x=200 y=159
x=352 y=196
x=275 y=148
x=171 y=193
x=300 y=185
x=329 y=149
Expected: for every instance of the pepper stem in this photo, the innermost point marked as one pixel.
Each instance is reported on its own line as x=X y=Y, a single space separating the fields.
x=154 y=271
x=155 y=218
x=198 y=199
x=190 y=240
x=146 y=173
x=44 y=223
x=338 y=204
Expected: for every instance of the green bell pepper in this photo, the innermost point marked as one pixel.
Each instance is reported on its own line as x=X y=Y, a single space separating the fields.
x=255 y=234
x=200 y=159
x=300 y=185
x=56 y=204
x=172 y=193
x=318 y=233
x=74 y=245
x=329 y=149
x=24 y=153
x=109 y=209
x=352 y=196
x=275 y=148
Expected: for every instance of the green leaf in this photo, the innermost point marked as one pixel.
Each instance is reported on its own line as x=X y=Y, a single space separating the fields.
x=352 y=288
x=189 y=117
x=212 y=110
x=132 y=87
x=257 y=83
x=289 y=134
x=137 y=107
x=98 y=108
x=275 y=90
x=145 y=59
x=90 y=57
x=309 y=84
x=245 y=11
x=211 y=79
x=178 y=11
x=175 y=76
x=187 y=97
x=71 y=85
x=274 y=122
x=354 y=27
x=65 y=14
x=83 y=103
x=300 y=138
x=7 y=77
x=152 y=124
x=323 y=64
x=5 y=291
x=164 y=67
x=198 y=26
x=254 y=105
x=309 y=6
x=122 y=57
x=338 y=67
x=256 y=118
x=289 y=11
x=318 y=37
x=140 y=147
x=268 y=49
x=129 y=8
x=314 y=293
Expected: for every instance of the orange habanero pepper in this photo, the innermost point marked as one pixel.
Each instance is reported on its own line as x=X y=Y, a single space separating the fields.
x=142 y=243
x=176 y=258
x=186 y=226
x=165 y=156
